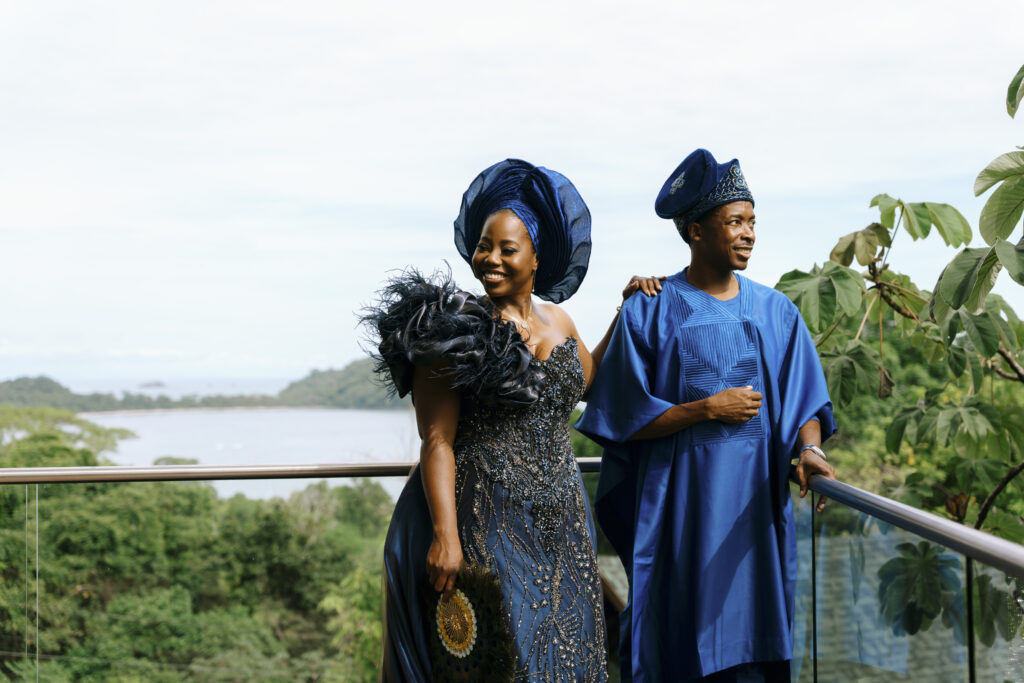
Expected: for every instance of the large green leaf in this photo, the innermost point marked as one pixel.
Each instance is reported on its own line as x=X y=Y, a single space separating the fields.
x=849 y=286
x=845 y=249
x=916 y=586
x=1002 y=167
x=973 y=418
x=814 y=294
x=1012 y=258
x=982 y=331
x=904 y=427
x=848 y=369
x=1003 y=316
x=917 y=219
x=862 y=244
x=969 y=270
x=977 y=373
x=950 y=223
x=1015 y=93
x=956 y=359
x=938 y=308
x=1002 y=211
x=822 y=293
x=991 y=611
x=987 y=276
x=887 y=208
x=1005 y=525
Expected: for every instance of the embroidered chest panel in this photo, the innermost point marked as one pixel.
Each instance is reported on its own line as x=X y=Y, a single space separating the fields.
x=717 y=351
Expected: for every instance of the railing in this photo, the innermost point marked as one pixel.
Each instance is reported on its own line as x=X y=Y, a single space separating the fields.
x=883 y=592
x=889 y=592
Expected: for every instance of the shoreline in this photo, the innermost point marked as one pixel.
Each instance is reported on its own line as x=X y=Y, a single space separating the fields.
x=212 y=409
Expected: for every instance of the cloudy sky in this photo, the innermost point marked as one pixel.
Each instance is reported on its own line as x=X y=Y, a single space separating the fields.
x=211 y=189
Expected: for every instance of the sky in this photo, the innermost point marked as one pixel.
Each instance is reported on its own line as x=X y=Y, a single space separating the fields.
x=214 y=189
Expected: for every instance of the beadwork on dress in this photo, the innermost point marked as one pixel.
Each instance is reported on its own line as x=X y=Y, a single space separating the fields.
x=522 y=514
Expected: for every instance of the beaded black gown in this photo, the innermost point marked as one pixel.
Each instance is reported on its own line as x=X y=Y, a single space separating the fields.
x=523 y=514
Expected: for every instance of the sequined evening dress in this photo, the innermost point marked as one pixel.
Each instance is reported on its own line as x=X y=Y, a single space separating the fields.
x=523 y=513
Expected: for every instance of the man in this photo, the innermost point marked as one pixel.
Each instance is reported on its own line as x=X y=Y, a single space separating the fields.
x=706 y=394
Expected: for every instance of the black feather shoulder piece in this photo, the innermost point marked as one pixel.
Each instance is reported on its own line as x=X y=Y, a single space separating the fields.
x=421 y=320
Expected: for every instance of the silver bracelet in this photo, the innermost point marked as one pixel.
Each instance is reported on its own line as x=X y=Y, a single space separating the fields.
x=816 y=449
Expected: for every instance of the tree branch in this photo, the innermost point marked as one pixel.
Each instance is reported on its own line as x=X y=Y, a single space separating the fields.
x=906 y=313
x=1012 y=362
x=999 y=371
x=829 y=331
x=990 y=499
x=882 y=287
x=906 y=291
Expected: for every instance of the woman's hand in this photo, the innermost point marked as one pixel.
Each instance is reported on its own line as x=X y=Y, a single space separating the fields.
x=734 y=405
x=648 y=285
x=444 y=560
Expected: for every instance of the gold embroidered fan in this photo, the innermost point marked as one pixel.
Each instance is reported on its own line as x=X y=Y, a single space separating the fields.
x=472 y=640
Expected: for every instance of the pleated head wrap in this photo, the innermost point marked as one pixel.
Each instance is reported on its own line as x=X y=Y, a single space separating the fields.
x=553 y=212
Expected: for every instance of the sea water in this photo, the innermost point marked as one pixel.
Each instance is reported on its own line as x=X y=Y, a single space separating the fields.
x=266 y=436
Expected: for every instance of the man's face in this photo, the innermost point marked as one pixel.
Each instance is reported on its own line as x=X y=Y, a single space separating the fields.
x=725 y=238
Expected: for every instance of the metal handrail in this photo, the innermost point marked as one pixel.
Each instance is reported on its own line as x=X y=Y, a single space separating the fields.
x=1003 y=555
x=1006 y=556
x=117 y=473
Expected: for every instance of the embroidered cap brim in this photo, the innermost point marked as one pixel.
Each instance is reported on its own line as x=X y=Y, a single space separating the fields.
x=698 y=185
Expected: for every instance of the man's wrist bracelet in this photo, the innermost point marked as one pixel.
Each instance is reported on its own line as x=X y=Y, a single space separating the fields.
x=815 y=449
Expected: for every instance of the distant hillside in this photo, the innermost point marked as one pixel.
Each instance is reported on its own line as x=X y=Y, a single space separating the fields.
x=354 y=386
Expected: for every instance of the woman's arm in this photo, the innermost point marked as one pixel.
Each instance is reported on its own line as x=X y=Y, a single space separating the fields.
x=591 y=358
x=437 y=415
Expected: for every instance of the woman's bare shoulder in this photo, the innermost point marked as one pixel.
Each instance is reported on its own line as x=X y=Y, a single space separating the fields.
x=558 y=318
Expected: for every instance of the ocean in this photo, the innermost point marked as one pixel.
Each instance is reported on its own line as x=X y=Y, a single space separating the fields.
x=266 y=436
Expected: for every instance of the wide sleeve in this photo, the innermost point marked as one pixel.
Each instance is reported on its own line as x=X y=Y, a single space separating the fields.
x=621 y=399
x=430 y=322
x=802 y=388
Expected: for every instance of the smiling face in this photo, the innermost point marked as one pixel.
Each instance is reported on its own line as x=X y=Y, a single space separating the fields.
x=724 y=238
x=504 y=260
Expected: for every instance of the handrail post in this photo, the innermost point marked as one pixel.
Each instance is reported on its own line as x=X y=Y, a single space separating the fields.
x=814 y=590
x=969 y=630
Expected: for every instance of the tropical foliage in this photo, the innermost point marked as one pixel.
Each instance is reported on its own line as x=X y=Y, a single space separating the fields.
x=167 y=582
x=934 y=381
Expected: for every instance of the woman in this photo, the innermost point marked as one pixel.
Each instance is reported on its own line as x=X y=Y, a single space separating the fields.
x=494 y=380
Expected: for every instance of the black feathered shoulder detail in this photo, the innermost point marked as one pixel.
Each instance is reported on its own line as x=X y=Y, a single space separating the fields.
x=420 y=320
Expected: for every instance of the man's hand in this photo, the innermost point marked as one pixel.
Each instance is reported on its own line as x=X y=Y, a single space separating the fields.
x=734 y=405
x=812 y=463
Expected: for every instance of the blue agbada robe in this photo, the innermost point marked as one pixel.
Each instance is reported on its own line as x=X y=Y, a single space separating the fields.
x=702 y=519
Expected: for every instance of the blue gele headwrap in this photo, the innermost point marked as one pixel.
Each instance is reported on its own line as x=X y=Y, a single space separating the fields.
x=553 y=212
x=698 y=185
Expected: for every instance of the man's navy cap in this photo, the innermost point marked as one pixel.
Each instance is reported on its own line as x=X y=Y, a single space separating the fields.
x=700 y=184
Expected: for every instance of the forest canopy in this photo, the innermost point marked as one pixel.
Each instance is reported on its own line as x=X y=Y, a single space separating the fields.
x=353 y=386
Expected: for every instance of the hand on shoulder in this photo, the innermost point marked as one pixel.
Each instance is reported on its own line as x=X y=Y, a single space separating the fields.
x=649 y=285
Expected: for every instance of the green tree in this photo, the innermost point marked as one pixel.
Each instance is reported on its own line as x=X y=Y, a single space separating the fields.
x=941 y=370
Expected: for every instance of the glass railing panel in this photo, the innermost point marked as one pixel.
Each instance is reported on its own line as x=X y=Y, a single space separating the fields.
x=890 y=606
x=998 y=623
x=614 y=581
x=167 y=581
x=803 y=616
